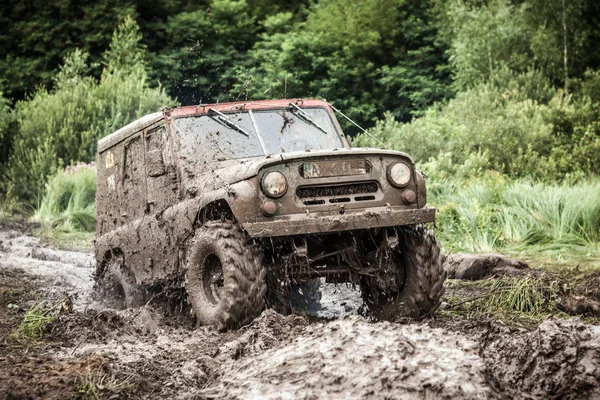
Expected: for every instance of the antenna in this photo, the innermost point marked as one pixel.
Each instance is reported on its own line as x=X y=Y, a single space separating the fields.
x=357 y=125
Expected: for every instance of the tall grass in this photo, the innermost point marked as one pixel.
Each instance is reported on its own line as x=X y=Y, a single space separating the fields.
x=69 y=201
x=489 y=214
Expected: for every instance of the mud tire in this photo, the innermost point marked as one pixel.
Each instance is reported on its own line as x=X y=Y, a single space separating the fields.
x=242 y=296
x=117 y=284
x=418 y=255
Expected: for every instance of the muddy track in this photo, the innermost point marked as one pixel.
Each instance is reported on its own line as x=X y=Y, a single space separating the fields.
x=337 y=353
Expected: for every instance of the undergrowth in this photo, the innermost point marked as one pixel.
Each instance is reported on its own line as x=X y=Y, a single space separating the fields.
x=492 y=214
x=69 y=202
x=67 y=211
x=515 y=300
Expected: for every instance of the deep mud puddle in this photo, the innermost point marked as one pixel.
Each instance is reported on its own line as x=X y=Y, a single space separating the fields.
x=142 y=353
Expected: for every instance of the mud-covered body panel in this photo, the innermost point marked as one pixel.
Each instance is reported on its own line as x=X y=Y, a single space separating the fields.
x=364 y=219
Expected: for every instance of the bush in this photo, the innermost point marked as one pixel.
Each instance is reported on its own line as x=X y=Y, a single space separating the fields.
x=492 y=127
x=65 y=124
x=69 y=202
x=6 y=126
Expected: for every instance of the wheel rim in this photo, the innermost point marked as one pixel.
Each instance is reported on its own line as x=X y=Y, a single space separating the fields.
x=212 y=278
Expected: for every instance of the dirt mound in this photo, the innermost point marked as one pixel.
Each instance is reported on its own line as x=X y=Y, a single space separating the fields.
x=352 y=358
x=90 y=326
x=560 y=359
x=477 y=266
x=265 y=332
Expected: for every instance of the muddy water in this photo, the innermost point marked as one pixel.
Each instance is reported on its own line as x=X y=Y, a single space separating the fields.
x=336 y=353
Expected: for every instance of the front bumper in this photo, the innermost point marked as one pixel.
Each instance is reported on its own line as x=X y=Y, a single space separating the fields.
x=370 y=218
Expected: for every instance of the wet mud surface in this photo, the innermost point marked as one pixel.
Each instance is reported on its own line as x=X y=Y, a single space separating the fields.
x=333 y=352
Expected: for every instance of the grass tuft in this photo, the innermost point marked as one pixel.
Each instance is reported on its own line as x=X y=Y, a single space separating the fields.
x=97 y=386
x=528 y=295
x=69 y=202
x=32 y=328
x=491 y=214
x=514 y=300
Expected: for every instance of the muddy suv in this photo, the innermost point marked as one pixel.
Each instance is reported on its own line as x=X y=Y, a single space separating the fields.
x=239 y=205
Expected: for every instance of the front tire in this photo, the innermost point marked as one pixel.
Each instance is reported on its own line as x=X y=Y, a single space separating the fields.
x=416 y=286
x=225 y=276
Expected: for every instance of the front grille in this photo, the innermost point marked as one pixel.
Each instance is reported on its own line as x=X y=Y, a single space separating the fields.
x=336 y=191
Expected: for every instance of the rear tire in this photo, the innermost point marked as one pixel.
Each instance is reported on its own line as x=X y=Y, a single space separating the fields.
x=419 y=272
x=225 y=276
x=117 y=283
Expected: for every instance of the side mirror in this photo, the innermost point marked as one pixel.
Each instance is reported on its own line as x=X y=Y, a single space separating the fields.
x=155 y=165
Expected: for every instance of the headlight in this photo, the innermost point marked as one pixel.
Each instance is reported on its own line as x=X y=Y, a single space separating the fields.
x=399 y=174
x=274 y=184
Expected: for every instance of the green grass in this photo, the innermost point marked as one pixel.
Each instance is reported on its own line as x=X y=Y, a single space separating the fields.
x=69 y=202
x=32 y=328
x=517 y=301
x=491 y=214
x=67 y=211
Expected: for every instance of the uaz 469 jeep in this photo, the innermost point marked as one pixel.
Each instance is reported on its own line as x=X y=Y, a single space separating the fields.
x=239 y=203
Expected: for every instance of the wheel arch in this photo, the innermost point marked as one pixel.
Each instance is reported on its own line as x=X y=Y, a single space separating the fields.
x=216 y=210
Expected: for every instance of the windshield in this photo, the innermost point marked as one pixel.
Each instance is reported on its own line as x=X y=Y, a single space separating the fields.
x=245 y=134
x=284 y=131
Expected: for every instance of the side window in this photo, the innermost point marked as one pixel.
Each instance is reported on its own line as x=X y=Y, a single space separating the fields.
x=155 y=163
x=161 y=177
x=133 y=201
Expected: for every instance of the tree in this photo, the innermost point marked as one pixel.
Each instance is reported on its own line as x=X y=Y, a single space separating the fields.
x=36 y=35
x=63 y=125
x=365 y=57
x=205 y=45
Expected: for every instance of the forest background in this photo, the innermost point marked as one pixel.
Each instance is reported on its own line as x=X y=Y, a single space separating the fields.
x=497 y=100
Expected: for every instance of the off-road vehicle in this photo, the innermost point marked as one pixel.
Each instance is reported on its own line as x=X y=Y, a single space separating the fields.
x=239 y=203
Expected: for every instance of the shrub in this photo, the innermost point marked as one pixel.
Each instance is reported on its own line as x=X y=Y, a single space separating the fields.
x=494 y=128
x=67 y=122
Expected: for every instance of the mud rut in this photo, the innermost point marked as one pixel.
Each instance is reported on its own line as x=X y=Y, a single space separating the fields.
x=335 y=353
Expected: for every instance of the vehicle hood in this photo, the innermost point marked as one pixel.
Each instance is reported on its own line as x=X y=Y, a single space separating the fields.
x=233 y=171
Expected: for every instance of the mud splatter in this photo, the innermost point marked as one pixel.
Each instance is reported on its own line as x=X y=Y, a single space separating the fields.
x=144 y=353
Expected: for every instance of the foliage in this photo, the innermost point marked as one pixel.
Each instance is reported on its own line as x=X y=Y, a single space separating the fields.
x=69 y=201
x=556 y=37
x=206 y=43
x=483 y=38
x=63 y=125
x=36 y=36
x=500 y=128
x=382 y=55
x=6 y=127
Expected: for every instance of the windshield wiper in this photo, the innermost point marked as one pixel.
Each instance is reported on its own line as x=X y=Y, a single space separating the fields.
x=223 y=118
x=305 y=117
